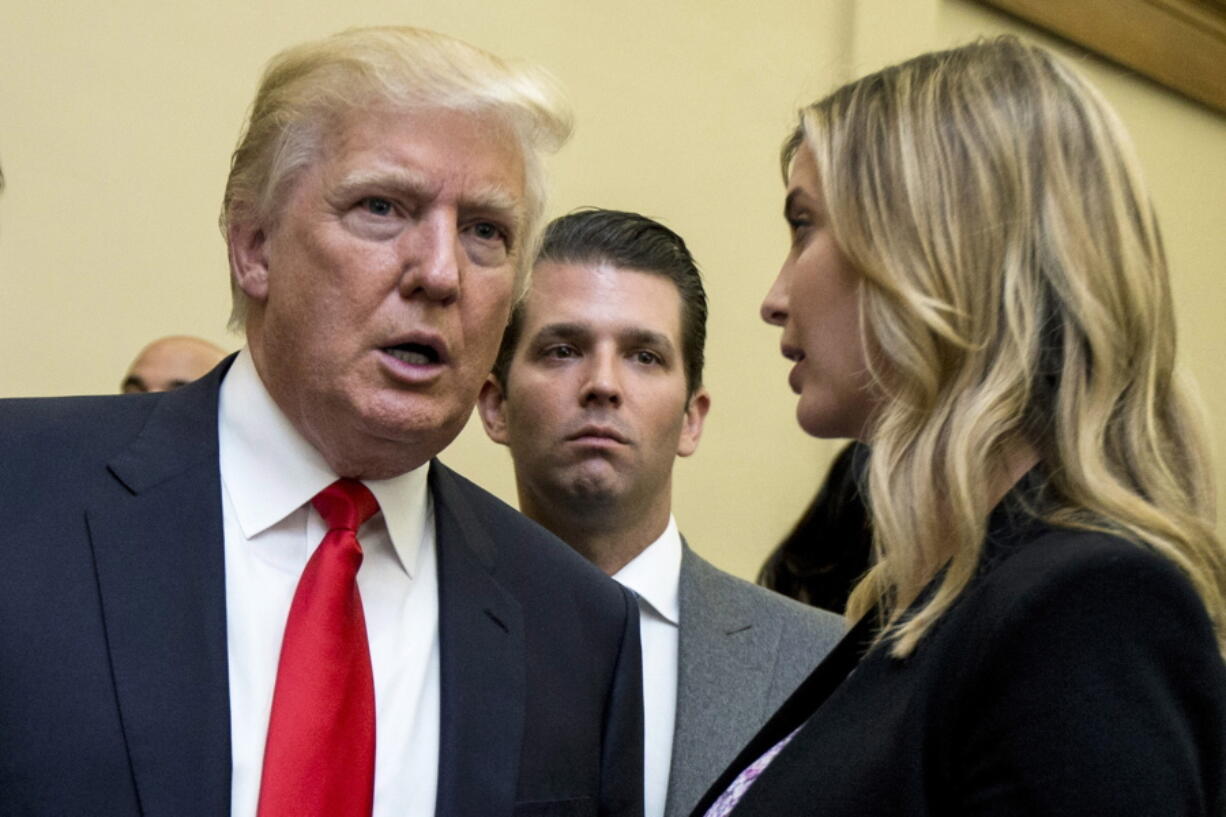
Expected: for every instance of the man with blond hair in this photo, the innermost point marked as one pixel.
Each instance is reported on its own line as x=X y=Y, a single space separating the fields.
x=260 y=594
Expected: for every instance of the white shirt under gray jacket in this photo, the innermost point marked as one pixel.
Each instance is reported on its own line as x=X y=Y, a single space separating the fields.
x=719 y=657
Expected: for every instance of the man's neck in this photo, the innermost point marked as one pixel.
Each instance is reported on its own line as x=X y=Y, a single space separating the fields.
x=608 y=537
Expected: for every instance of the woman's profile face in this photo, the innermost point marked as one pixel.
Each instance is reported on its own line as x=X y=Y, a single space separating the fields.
x=816 y=298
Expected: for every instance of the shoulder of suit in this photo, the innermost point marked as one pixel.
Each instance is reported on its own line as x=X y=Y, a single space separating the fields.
x=82 y=425
x=524 y=546
x=479 y=499
x=497 y=517
x=1073 y=567
x=494 y=514
x=712 y=584
x=102 y=419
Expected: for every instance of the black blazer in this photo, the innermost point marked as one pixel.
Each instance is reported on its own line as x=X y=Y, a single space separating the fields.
x=113 y=663
x=1077 y=675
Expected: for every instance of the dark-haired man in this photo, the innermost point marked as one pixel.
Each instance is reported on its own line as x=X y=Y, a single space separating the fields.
x=596 y=390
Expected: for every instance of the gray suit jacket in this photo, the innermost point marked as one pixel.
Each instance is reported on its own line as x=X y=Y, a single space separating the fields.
x=742 y=651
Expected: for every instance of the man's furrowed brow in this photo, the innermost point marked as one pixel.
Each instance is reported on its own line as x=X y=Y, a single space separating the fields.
x=398 y=179
x=492 y=198
x=495 y=201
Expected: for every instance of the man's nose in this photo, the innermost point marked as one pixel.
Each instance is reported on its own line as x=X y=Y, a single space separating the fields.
x=603 y=382
x=431 y=259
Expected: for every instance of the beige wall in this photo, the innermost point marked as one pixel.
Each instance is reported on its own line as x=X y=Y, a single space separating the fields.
x=116 y=122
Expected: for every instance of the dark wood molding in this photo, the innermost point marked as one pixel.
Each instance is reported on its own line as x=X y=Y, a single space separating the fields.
x=1178 y=43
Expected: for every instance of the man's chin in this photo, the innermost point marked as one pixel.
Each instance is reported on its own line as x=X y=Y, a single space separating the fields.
x=595 y=487
x=386 y=444
x=414 y=420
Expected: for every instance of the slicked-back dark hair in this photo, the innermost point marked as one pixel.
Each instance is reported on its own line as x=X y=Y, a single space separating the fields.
x=626 y=241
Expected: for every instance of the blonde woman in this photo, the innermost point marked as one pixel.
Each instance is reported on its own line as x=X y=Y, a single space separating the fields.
x=976 y=288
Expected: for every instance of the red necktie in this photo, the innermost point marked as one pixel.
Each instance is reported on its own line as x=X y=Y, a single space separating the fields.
x=320 y=757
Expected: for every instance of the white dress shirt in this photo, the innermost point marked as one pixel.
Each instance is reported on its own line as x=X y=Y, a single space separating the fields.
x=269 y=474
x=654 y=576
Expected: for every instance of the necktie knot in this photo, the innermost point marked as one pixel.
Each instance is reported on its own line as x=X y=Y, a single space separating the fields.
x=345 y=505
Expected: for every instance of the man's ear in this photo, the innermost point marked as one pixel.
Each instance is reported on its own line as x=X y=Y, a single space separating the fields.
x=691 y=429
x=248 y=247
x=491 y=405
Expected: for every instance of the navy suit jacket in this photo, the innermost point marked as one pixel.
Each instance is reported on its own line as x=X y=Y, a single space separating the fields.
x=113 y=662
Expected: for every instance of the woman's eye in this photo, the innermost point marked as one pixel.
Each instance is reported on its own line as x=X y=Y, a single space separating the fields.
x=799 y=228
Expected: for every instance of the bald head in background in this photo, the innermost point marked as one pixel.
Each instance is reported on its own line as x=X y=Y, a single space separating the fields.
x=170 y=362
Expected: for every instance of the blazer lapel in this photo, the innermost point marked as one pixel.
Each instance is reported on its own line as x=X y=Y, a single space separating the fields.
x=482 y=673
x=158 y=553
x=796 y=710
x=726 y=659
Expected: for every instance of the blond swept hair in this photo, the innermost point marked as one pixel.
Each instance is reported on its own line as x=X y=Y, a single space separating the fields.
x=307 y=91
x=1015 y=294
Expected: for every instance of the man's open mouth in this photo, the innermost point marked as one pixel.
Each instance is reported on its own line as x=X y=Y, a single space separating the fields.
x=415 y=354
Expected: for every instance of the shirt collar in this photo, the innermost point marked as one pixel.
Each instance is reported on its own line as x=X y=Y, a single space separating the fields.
x=655 y=573
x=270 y=470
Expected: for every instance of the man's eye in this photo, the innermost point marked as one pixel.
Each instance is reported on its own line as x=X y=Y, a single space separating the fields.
x=647 y=358
x=377 y=206
x=488 y=231
x=560 y=352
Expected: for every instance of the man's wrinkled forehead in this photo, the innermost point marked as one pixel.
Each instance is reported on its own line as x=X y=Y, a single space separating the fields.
x=421 y=175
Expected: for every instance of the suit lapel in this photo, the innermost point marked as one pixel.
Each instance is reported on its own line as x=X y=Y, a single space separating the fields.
x=726 y=659
x=158 y=553
x=481 y=663
x=795 y=711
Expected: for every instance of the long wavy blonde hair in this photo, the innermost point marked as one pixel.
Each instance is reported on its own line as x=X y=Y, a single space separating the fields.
x=1015 y=294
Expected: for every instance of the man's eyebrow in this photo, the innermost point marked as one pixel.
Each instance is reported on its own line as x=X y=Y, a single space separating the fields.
x=495 y=199
x=635 y=336
x=561 y=331
x=646 y=337
x=397 y=178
